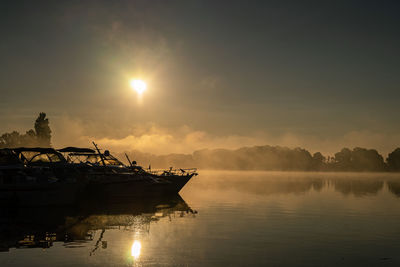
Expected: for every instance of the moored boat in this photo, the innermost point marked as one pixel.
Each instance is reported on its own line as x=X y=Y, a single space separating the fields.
x=36 y=177
x=109 y=178
x=45 y=176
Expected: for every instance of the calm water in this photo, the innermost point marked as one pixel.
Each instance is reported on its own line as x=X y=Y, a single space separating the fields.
x=222 y=219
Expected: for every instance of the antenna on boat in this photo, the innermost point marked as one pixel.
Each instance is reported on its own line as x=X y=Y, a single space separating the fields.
x=98 y=151
x=130 y=162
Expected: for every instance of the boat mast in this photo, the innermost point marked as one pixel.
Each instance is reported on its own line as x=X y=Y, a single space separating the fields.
x=101 y=155
x=130 y=162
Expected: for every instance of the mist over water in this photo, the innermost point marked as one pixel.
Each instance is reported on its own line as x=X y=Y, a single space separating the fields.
x=245 y=218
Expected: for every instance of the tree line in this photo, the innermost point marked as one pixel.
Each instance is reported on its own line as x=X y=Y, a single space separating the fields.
x=40 y=136
x=275 y=158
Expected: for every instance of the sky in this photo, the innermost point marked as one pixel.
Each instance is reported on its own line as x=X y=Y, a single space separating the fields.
x=220 y=74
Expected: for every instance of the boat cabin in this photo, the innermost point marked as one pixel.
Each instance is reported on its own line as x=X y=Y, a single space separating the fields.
x=8 y=159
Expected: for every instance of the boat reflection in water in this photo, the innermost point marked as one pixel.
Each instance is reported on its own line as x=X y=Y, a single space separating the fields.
x=42 y=227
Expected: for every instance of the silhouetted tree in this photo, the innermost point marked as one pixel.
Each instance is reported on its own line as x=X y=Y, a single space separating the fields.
x=318 y=161
x=343 y=159
x=367 y=160
x=317 y=156
x=41 y=136
x=12 y=139
x=302 y=159
x=29 y=138
x=42 y=129
x=393 y=160
x=360 y=159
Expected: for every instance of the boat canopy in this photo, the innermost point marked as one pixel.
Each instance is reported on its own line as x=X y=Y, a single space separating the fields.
x=34 y=149
x=93 y=158
x=71 y=149
x=38 y=155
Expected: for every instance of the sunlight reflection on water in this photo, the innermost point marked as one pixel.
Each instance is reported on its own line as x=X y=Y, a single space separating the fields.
x=135 y=250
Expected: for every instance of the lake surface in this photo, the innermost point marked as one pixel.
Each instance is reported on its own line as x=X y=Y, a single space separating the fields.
x=221 y=219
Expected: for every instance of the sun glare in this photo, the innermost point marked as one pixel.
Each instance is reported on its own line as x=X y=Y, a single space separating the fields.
x=139 y=86
x=135 y=250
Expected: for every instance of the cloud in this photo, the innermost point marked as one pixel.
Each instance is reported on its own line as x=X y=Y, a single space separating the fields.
x=159 y=140
x=152 y=138
x=147 y=138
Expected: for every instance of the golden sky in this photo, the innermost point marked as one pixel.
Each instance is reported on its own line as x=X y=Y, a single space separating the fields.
x=320 y=76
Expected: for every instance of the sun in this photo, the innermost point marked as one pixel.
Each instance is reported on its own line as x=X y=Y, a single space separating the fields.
x=138 y=85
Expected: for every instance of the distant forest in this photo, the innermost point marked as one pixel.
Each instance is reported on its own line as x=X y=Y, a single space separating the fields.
x=246 y=158
x=275 y=158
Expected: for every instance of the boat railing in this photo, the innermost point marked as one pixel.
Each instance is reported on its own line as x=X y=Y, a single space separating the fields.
x=171 y=171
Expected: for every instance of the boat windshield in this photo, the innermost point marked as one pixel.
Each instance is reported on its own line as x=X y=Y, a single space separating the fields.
x=40 y=158
x=108 y=160
x=35 y=157
x=55 y=157
x=93 y=159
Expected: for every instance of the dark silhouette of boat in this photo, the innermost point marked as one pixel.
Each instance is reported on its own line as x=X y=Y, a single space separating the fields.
x=37 y=176
x=109 y=178
x=45 y=176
